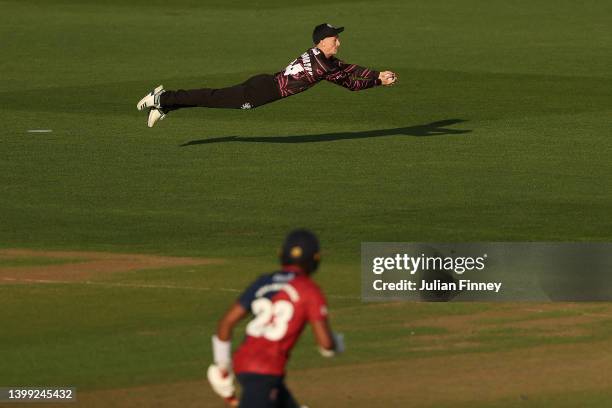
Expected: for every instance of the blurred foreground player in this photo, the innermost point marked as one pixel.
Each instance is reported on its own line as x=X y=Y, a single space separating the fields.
x=281 y=304
x=314 y=65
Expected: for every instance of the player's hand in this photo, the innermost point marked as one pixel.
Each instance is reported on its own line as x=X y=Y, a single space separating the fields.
x=222 y=383
x=338 y=346
x=387 y=78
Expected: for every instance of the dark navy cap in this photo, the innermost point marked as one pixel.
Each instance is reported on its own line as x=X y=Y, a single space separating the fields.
x=325 y=30
x=301 y=247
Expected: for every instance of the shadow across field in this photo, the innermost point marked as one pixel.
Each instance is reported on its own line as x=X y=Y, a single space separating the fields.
x=431 y=129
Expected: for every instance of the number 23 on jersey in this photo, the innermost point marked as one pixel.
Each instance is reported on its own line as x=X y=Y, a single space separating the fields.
x=271 y=319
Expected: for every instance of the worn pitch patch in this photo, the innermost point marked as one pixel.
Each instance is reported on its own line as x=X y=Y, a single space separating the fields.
x=93 y=264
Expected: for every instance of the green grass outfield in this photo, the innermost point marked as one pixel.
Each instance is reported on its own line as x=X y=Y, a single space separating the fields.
x=498 y=130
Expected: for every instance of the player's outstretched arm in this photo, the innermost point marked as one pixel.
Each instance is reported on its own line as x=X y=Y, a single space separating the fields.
x=356 y=78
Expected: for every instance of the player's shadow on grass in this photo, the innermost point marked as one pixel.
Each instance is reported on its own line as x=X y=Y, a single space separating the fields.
x=430 y=129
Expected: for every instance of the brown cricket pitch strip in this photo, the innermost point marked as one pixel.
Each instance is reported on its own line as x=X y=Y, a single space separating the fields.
x=93 y=264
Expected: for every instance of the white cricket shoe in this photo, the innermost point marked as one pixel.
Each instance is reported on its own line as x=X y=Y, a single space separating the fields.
x=155 y=115
x=151 y=100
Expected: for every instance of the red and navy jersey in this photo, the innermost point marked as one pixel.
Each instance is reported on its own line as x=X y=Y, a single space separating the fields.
x=312 y=67
x=281 y=303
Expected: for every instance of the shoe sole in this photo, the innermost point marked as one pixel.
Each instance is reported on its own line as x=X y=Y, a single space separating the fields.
x=163 y=115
